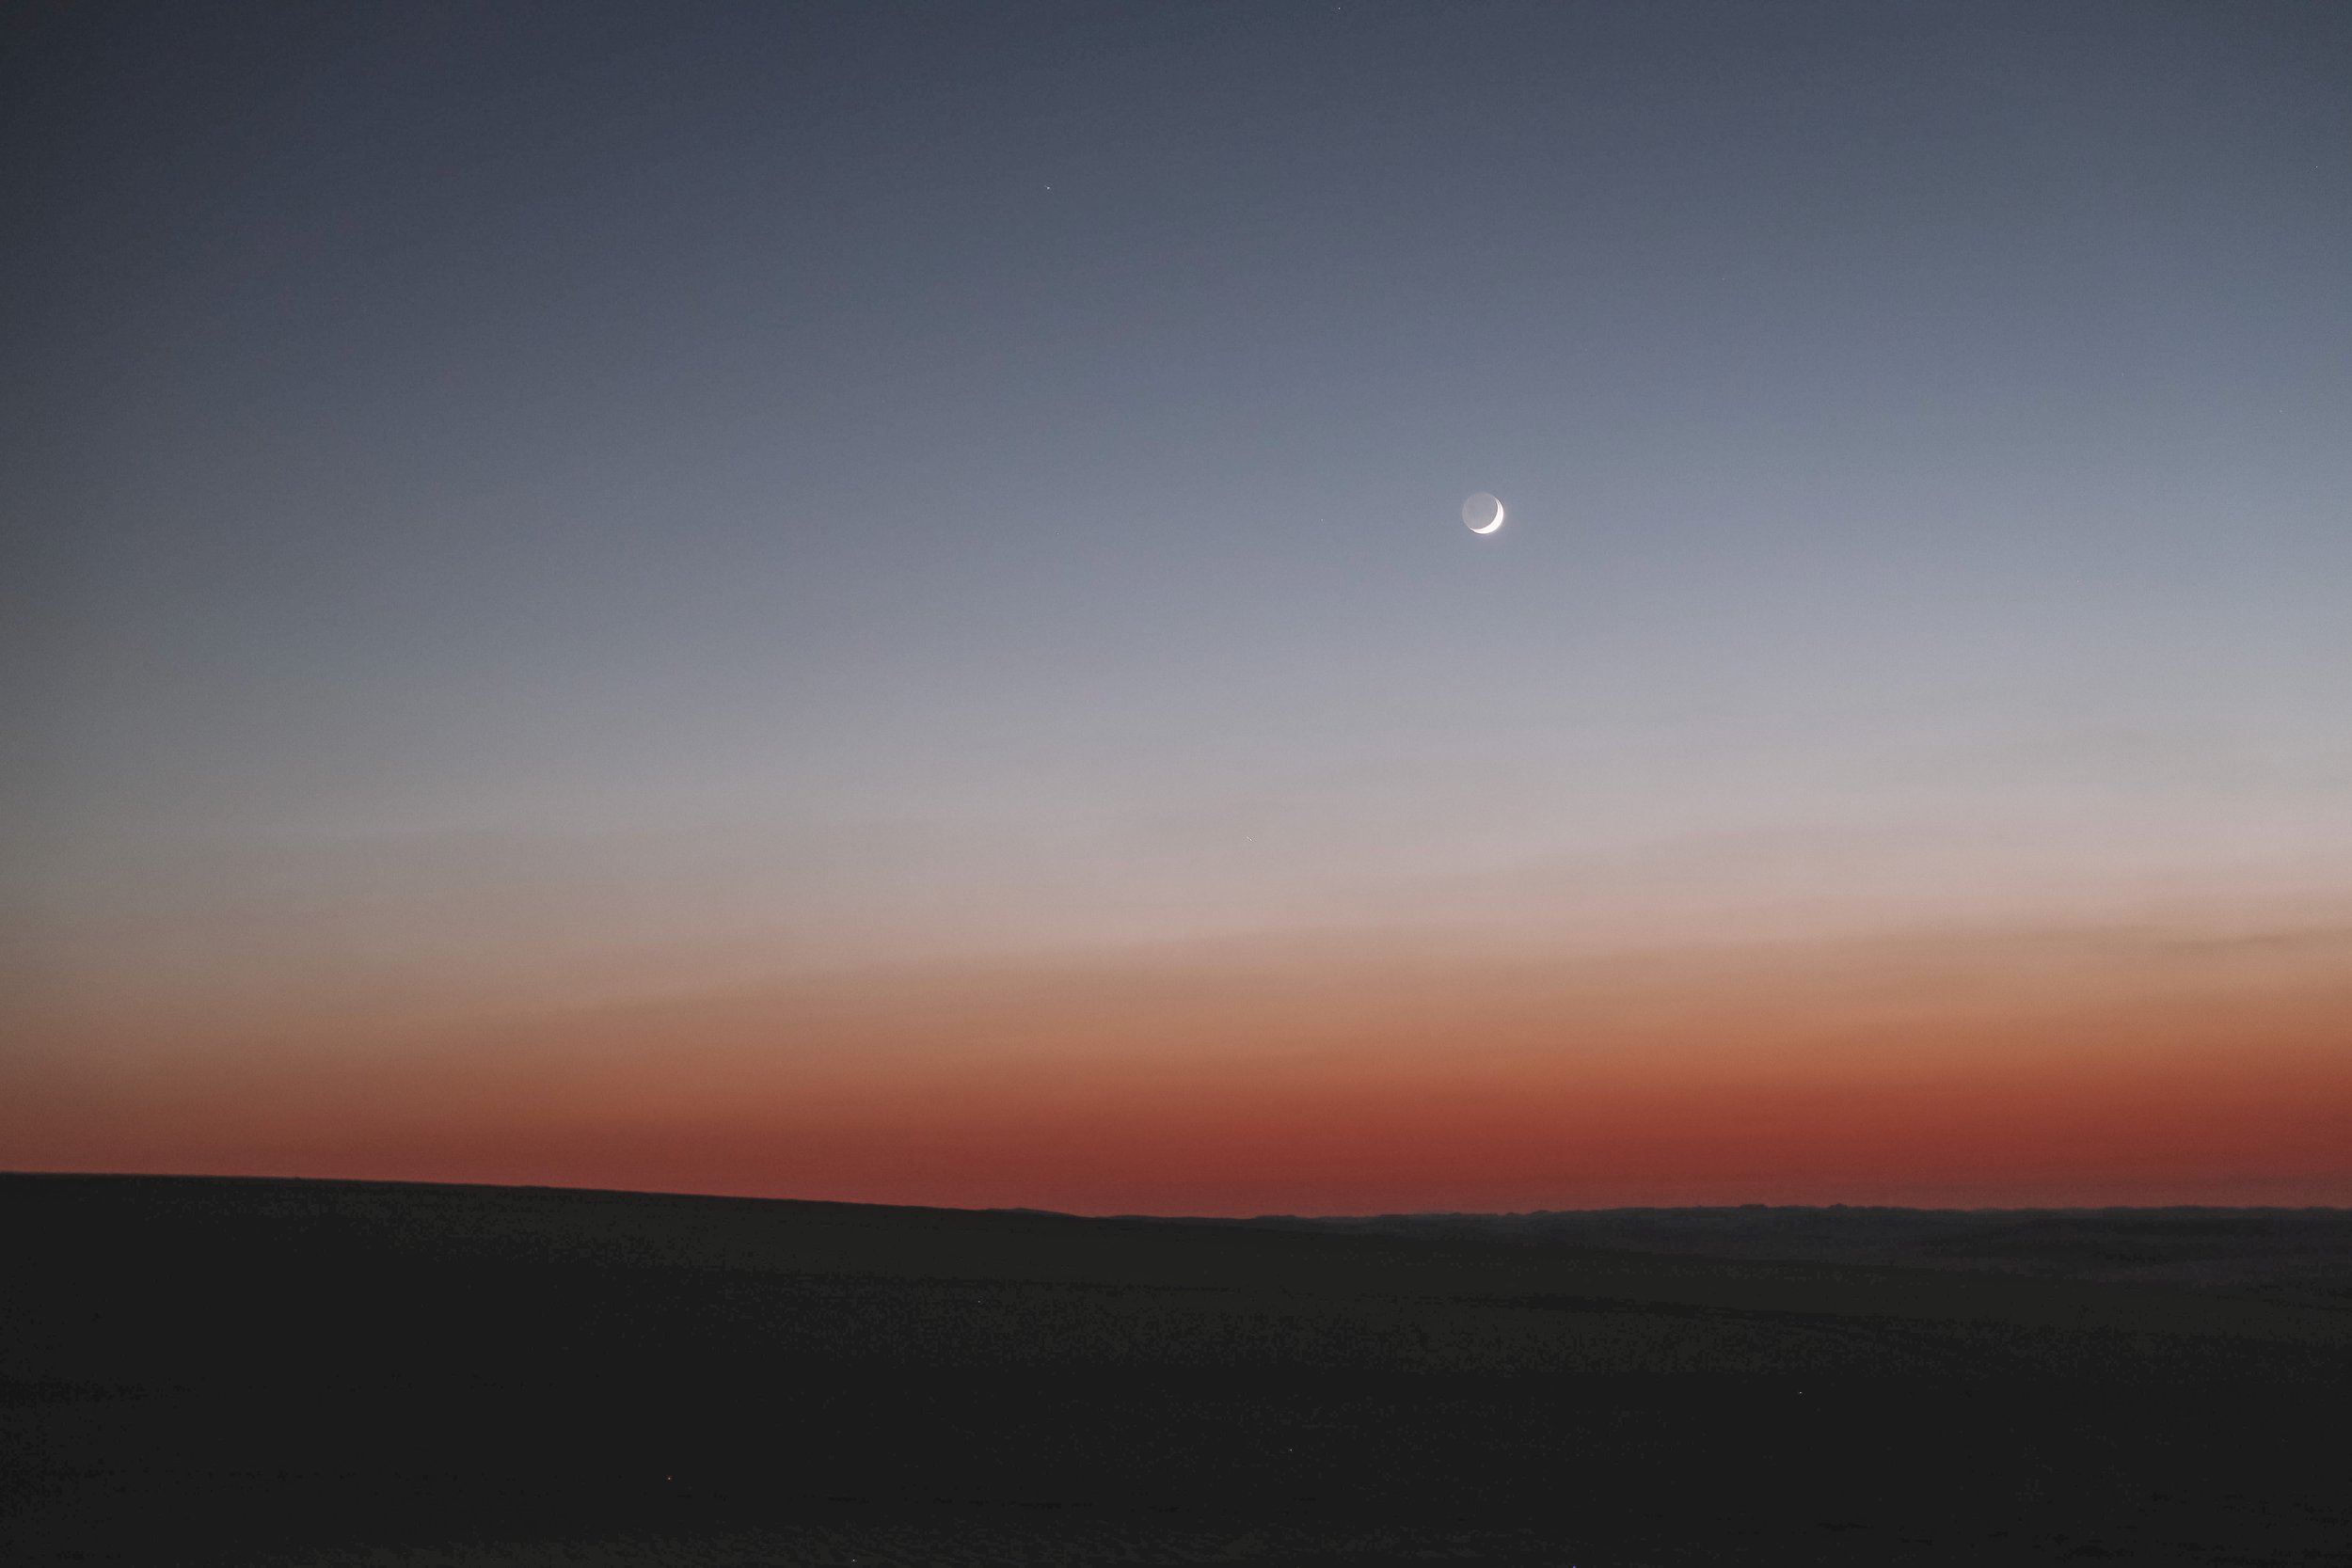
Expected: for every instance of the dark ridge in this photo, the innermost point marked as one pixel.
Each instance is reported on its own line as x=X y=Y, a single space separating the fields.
x=2304 y=1253
x=217 y=1370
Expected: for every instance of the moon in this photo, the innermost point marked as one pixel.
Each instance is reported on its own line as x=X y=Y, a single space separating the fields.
x=1477 y=507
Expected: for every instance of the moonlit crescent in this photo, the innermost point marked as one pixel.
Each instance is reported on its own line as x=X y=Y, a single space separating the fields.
x=1468 y=505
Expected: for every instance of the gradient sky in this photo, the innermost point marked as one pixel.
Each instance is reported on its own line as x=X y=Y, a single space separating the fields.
x=867 y=601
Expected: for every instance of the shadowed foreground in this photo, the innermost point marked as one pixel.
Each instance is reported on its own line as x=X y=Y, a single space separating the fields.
x=215 y=1371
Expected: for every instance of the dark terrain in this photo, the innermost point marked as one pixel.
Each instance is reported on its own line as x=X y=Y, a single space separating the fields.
x=242 y=1371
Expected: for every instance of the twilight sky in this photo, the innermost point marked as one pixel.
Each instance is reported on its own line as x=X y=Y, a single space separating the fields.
x=868 y=601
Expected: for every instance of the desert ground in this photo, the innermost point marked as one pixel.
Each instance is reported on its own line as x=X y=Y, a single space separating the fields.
x=243 y=1371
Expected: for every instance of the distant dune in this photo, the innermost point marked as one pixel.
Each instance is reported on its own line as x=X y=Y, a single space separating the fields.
x=2303 y=1254
x=208 y=1370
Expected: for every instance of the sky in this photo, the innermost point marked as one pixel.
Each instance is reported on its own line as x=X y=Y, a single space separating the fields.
x=869 y=601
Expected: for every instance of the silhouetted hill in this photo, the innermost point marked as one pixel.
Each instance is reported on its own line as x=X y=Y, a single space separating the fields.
x=212 y=1371
x=2286 y=1253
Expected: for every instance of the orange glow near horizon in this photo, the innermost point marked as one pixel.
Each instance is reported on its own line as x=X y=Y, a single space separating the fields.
x=2020 y=1068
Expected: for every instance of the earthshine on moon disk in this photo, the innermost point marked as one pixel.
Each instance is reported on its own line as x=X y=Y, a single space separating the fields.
x=1482 y=514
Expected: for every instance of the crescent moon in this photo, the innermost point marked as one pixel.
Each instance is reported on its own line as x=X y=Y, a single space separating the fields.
x=1498 y=522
